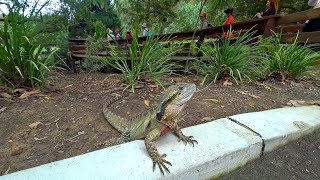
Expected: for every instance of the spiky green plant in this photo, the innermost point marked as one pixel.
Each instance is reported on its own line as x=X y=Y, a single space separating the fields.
x=230 y=58
x=289 y=60
x=153 y=61
x=23 y=61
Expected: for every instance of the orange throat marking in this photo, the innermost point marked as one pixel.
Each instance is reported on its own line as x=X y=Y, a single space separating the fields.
x=164 y=130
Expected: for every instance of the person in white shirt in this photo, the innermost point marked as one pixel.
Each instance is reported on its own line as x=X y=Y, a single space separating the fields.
x=110 y=35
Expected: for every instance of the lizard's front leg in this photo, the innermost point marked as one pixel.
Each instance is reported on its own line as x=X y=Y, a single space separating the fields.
x=153 y=152
x=184 y=138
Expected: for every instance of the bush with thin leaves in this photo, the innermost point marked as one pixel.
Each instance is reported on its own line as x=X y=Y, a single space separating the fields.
x=236 y=59
x=289 y=60
x=23 y=61
x=153 y=61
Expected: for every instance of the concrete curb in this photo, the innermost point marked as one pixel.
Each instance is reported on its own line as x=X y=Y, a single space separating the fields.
x=223 y=145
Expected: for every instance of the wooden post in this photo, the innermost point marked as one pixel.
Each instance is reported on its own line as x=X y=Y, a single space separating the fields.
x=270 y=26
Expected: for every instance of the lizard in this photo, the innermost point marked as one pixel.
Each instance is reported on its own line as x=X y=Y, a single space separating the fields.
x=154 y=123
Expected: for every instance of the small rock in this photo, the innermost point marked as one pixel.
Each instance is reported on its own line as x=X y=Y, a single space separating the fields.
x=319 y=147
x=16 y=150
x=10 y=141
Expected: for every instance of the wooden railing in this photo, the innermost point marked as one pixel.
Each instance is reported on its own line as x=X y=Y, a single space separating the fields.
x=288 y=25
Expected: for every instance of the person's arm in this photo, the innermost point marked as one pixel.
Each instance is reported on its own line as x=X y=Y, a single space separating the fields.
x=259 y=15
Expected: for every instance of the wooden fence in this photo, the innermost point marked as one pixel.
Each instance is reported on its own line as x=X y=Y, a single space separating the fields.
x=288 y=25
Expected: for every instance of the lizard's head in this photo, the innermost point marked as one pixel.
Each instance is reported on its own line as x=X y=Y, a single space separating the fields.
x=174 y=100
x=182 y=92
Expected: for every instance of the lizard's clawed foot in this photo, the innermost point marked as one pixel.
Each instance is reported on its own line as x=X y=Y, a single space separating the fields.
x=161 y=162
x=187 y=139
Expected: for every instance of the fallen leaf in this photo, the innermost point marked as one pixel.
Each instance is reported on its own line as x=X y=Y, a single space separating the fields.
x=248 y=94
x=227 y=83
x=3 y=109
x=29 y=93
x=207 y=119
x=34 y=125
x=39 y=139
x=6 y=95
x=265 y=86
x=81 y=133
x=19 y=90
x=252 y=105
x=147 y=103
x=70 y=85
x=254 y=96
x=296 y=103
x=139 y=86
x=7 y=171
x=215 y=101
x=48 y=98
x=153 y=86
x=16 y=150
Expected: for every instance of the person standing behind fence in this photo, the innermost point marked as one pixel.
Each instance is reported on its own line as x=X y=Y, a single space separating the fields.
x=272 y=9
x=229 y=21
x=118 y=33
x=312 y=24
x=204 y=25
x=146 y=30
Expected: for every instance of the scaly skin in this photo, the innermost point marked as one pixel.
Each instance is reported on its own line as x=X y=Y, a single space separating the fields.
x=155 y=123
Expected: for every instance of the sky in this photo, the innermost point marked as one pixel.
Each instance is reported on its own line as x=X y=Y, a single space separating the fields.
x=53 y=5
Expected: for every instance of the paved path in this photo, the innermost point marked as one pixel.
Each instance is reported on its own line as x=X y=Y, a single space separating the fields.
x=297 y=160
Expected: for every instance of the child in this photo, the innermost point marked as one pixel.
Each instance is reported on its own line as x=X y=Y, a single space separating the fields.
x=229 y=21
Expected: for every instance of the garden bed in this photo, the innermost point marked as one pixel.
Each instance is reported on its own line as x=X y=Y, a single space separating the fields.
x=72 y=123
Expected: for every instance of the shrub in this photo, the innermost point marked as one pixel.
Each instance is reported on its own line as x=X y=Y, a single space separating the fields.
x=237 y=60
x=153 y=61
x=23 y=60
x=289 y=60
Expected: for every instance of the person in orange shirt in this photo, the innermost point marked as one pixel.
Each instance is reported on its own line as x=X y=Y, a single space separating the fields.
x=229 y=21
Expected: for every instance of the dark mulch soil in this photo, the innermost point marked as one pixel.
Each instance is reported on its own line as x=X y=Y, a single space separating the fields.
x=72 y=122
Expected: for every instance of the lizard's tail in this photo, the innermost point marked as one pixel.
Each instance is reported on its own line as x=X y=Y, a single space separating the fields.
x=119 y=123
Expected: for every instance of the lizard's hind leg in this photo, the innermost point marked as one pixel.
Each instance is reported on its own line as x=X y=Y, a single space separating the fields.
x=125 y=137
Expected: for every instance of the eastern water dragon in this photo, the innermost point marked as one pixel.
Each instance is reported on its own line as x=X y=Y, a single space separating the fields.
x=154 y=123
